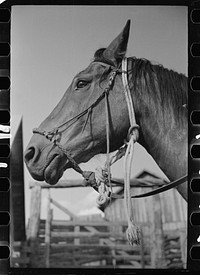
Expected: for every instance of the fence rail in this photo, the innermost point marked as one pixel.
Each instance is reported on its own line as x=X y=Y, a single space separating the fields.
x=82 y=243
x=86 y=243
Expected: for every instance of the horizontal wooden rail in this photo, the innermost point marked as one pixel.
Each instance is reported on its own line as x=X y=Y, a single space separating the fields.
x=136 y=182
x=98 y=256
x=87 y=235
x=61 y=184
x=75 y=222
x=127 y=247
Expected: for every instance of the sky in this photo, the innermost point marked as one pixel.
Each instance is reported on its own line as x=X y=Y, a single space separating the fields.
x=50 y=44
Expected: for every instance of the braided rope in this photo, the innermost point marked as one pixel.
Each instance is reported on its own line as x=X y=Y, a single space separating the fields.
x=133 y=232
x=73 y=162
x=103 y=187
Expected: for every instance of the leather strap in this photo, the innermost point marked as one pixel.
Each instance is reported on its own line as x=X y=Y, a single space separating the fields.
x=156 y=191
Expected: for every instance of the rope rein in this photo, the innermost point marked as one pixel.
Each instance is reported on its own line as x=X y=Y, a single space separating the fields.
x=132 y=233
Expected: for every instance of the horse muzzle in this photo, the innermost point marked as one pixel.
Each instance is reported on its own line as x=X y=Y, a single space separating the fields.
x=45 y=161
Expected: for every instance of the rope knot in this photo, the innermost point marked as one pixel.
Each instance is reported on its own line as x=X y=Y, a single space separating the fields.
x=133 y=234
x=133 y=131
x=103 y=197
x=106 y=91
x=89 y=179
x=110 y=81
x=48 y=135
x=102 y=179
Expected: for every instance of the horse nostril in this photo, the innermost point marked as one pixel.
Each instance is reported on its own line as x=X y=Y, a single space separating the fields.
x=29 y=154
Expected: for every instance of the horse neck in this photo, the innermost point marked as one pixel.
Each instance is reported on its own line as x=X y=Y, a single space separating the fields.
x=162 y=134
x=167 y=145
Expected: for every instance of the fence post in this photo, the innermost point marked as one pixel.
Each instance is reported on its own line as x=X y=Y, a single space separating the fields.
x=183 y=246
x=34 y=223
x=158 y=236
x=142 y=250
x=48 y=231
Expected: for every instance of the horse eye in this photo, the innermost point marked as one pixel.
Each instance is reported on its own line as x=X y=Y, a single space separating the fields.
x=81 y=84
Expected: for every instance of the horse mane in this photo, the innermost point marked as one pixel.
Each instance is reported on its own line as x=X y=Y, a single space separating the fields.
x=160 y=86
x=164 y=88
x=172 y=85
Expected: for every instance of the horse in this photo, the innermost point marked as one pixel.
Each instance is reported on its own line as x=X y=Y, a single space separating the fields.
x=75 y=130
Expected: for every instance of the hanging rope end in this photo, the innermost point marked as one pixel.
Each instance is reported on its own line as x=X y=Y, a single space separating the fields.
x=133 y=234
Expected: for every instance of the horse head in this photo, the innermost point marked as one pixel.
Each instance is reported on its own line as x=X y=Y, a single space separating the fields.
x=78 y=122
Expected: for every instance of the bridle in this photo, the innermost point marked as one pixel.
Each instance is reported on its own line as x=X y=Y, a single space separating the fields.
x=133 y=231
x=54 y=136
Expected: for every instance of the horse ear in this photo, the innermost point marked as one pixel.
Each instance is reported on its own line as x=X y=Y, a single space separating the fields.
x=116 y=51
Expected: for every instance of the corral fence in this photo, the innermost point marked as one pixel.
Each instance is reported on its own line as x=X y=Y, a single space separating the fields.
x=85 y=243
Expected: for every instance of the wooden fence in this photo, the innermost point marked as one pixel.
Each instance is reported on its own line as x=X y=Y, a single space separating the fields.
x=79 y=243
x=82 y=244
x=88 y=243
